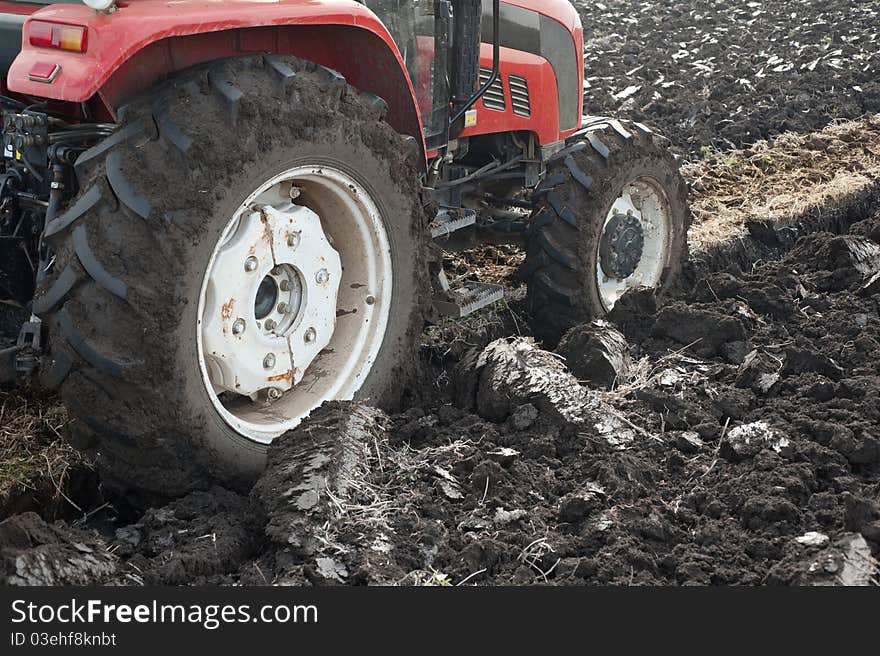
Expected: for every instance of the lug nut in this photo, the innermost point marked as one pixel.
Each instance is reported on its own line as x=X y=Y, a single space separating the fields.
x=283 y=308
x=238 y=327
x=270 y=324
x=250 y=264
x=277 y=271
x=273 y=394
x=369 y=300
x=284 y=285
x=310 y=336
x=293 y=240
x=322 y=276
x=269 y=361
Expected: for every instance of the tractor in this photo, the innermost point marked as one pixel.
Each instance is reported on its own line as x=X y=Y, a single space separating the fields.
x=216 y=216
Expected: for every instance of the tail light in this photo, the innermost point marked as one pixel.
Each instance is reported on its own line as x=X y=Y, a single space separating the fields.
x=57 y=35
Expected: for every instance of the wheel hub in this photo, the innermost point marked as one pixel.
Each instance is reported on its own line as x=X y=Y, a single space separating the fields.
x=633 y=248
x=621 y=247
x=282 y=326
x=274 y=285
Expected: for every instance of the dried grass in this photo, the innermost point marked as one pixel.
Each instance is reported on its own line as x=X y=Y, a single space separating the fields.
x=35 y=458
x=494 y=263
x=788 y=177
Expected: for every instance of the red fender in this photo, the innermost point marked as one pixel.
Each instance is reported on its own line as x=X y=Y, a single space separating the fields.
x=133 y=47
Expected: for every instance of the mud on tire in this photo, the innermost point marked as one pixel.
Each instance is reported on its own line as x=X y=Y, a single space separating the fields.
x=132 y=249
x=571 y=204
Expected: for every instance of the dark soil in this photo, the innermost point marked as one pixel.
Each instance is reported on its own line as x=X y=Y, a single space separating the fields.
x=744 y=449
x=735 y=440
x=722 y=73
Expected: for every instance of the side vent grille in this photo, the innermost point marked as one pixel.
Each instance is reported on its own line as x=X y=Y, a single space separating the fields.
x=519 y=95
x=494 y=96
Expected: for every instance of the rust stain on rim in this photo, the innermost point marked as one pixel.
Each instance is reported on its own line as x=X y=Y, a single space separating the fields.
x=226 y=314
x=267 y=227
x=286 y=377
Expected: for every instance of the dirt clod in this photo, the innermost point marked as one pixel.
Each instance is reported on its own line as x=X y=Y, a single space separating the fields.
x=34 y=552
x=747 y=440
x=597 y=353
x=702 y=329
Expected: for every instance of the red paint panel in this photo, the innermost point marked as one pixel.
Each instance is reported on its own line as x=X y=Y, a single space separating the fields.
x=538 y=72
x=18 y=8
x=559 y=10
x=130 y=48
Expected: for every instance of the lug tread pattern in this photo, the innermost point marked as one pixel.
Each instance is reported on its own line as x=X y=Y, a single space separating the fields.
x=556 y=251
x=59 y=367
x=83 y=204
x=169 y=130
x=559 y=292
x=577 y=173
x=550 y=182
x=563 y=231
x=377 y=103
x=282 y=72
x=543 y=217
x=624 y=134
x=85 y=350
x=334 y=78
x=57 y=292
x=94 y=268
x=598 y=146
x=122 y=188
x=96 y=152
x=562 y=210
x=569 y=149
x=228 y=93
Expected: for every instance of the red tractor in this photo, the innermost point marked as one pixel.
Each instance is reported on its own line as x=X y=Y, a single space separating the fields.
x=216 y=215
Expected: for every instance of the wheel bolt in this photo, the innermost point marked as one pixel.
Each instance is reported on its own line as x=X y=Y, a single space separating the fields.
x=284 y=286
x=293 y=240
x=238 y=327
x=250 y=264
x=277 y=271
x=269 y=361
x=322 y=276
x=370 y=300
x=273 y=394
x=283 y=308
x=310 y=336
x=270 y=324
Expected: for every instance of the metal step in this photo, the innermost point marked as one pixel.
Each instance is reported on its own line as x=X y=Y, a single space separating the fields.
x=469 y=298
x=450 y=219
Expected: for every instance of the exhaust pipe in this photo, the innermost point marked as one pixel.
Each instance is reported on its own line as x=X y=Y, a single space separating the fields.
x=466 y=41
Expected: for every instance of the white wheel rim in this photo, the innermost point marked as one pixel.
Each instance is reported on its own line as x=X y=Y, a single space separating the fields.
x=327 y=256
x=644 y=199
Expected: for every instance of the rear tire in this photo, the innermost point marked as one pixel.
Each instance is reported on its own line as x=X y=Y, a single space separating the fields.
x=572 y=204
x=132 y=251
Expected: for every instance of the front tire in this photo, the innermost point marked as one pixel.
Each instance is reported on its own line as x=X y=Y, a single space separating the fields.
x=133 y=251
x=588 y=240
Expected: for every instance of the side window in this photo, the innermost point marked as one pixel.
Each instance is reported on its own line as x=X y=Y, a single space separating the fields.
x=411 y=24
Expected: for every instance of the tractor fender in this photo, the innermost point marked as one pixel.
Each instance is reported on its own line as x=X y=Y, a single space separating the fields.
x=141 y=42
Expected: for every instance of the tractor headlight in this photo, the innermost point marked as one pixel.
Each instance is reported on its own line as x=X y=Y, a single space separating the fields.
x=100 y=5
